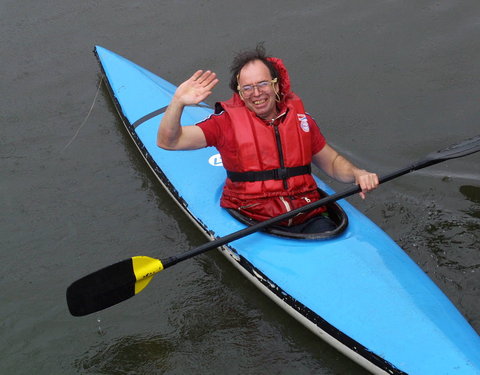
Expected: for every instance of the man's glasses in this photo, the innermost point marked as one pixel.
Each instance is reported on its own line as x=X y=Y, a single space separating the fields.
x=248 y=90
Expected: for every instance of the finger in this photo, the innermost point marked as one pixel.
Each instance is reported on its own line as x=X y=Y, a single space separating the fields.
x=205 y=77
x=212 y=84
x=372 y=181
x=196 y=75
x=371 y=185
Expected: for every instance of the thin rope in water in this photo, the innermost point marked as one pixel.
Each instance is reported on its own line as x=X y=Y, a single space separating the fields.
x=86 y=118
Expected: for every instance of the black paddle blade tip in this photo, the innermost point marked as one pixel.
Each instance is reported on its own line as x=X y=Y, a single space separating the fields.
x=101 y=289
x=467 y=147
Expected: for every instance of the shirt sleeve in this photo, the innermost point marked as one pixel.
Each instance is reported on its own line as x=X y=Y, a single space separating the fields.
x=211 y=128
x=318 y=140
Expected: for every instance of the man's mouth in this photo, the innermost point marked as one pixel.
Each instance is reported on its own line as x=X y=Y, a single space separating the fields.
x=259 y=102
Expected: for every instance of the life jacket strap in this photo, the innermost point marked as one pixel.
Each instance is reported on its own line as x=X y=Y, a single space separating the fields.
x=271 y=174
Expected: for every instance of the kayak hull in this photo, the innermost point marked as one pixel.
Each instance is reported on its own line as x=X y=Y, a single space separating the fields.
x=359 y=291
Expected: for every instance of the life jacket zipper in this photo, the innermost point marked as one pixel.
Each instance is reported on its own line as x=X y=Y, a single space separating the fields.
x=247 y=206
x=280 y=152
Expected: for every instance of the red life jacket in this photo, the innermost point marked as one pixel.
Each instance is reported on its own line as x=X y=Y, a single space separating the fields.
x=270 y=173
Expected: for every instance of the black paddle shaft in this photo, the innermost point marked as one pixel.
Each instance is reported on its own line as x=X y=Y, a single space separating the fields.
x=464 y=148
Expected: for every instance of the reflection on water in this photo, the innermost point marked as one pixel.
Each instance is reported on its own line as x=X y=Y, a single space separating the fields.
x=454 y=242
x=472 y=193
x=452 y=238
x=128 y=355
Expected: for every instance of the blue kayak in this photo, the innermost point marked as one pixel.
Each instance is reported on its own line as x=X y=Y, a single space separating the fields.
x=358 y=291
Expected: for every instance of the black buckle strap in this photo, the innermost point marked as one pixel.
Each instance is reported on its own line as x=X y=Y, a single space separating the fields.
x=271 y=174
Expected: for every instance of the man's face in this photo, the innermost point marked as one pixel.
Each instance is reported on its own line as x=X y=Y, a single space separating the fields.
x=260 y=100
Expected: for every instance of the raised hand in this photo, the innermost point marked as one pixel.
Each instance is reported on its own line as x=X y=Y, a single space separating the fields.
x=171 y=135
x=197 y=88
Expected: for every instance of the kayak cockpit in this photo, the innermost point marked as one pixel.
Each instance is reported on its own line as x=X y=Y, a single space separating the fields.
x=334 y=212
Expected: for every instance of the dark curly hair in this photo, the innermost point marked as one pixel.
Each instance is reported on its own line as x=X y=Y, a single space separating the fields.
x=244 y=57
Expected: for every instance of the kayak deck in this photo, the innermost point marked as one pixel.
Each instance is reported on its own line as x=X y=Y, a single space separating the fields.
x=359 y=291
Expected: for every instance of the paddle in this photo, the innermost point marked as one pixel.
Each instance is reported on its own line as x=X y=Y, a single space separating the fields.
x=120 y=281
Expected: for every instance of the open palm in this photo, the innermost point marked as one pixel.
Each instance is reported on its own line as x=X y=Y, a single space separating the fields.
x=196 y=88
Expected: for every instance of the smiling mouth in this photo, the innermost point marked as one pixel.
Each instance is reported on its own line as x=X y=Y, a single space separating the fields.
x=259 y=102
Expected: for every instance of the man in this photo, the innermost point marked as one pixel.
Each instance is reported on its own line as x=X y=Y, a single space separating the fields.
x=266 y=140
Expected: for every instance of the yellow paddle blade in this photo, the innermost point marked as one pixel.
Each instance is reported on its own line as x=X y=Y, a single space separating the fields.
x=144 y=269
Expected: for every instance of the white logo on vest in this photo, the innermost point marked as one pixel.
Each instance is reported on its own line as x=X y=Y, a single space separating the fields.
x=216 y=160
x=303 y=122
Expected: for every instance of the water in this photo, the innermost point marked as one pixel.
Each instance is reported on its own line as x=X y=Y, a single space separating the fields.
x=387 y=81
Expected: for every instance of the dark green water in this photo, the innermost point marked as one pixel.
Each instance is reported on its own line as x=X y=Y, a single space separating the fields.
x=387 y=81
